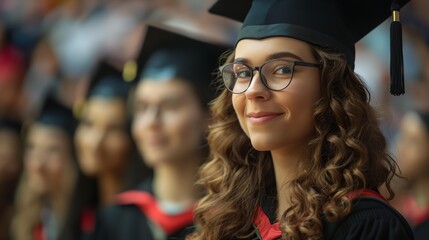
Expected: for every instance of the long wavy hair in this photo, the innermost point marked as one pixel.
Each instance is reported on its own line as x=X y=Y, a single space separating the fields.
x=346 y=153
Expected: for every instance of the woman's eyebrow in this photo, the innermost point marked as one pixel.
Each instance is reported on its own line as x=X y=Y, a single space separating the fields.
x=272 y=56
x=283 y=55
x=241 y=60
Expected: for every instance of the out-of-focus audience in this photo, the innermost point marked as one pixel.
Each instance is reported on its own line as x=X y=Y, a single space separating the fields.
x=107 y=155
x=10 y=170
x=413 y=149
x=48 y=178
x=170 y=124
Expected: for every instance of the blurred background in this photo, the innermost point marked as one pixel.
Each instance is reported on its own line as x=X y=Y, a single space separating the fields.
x=53 y=46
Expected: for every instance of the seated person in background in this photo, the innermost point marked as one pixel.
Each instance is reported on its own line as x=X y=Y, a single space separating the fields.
x=170 y=123
x=10 y=170
x=49 y=174
x=107 y=155
x=413 y=148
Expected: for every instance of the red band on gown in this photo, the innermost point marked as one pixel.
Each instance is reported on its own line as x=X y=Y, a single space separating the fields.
x=270 y=231
x=149 y=206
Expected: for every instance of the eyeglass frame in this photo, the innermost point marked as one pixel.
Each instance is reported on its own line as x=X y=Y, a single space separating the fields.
x=263 y=79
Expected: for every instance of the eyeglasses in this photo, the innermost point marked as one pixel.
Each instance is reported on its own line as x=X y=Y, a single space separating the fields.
x=275 y=74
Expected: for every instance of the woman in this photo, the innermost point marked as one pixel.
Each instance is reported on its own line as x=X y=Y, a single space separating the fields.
x=296 y=149
x=170 y=123
x=10 y=171
x=413 y=147
x=49 y=174
x=106 y=153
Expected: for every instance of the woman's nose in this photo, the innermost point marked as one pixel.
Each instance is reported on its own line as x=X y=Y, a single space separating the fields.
x=257 y=89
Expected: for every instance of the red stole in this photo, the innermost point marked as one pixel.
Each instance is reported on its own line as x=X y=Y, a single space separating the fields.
x=270 y=231
x=150 y=208
x=38 y=233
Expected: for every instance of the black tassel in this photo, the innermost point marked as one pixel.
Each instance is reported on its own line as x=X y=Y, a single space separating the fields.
x=396 y=56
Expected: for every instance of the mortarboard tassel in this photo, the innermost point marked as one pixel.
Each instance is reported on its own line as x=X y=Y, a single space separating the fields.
x=396 y=56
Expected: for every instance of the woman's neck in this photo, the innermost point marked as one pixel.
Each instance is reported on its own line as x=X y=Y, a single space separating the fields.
x=174 y=182
x=109 y=185
x=286 y=168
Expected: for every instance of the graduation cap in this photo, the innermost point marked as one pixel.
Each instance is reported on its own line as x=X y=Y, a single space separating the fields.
x=107 y=82
x=166 y=54
x=333 y=24
x=54 y=113
x=10 y=124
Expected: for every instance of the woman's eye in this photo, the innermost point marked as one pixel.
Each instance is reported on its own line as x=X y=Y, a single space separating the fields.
x=243 y=73
x=85 y=123
x=171 y=105
x=283 y=70
x=140 y=108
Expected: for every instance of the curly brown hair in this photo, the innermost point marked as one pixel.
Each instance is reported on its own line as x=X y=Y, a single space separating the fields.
x=346 y=153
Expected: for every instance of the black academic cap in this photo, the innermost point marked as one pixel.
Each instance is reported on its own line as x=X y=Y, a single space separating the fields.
x=107 y=82
x=334 y=24
x=54 y=113
x=166 y=54
x=10 y=124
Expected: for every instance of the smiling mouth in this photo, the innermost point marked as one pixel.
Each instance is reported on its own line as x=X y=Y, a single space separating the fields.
x=258 y=118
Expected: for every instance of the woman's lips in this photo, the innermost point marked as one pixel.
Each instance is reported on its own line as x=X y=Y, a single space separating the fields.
x=258 y=118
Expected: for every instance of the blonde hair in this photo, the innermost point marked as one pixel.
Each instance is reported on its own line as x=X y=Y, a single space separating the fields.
x=346 y=153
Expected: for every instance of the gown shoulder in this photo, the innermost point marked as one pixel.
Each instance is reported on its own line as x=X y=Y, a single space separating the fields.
x=370 y=218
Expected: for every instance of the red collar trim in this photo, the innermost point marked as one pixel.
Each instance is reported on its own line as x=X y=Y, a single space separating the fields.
x=267 y=230
x=149 y=206
x=365 y=193
x=38 y=233
x=270 y=231
x=87 y=221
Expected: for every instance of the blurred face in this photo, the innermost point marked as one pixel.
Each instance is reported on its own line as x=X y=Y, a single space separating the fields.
x=102 y=141
x=10 y=92
x=413 y=148
x=47 y=158
x=275 y=120
x=10 y=156
x=169 y=122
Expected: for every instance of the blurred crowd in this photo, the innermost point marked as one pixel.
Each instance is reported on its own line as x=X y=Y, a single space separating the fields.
x=51 y=51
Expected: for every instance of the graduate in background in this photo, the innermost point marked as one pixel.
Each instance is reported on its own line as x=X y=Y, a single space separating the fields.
x=296 y=150
x=413 y=152
x=49 y=174
x=170 y=122
x=107 y=155
x=10 y=171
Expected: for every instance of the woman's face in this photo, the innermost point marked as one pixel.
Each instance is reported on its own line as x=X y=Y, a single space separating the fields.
x=275 y=120
x=48 y=157
x=169 y=122
x=102 y=142
x=413 y=148
x=10 y=156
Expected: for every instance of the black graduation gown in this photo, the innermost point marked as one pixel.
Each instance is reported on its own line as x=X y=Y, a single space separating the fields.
x=129 y=222
x=421 y=230
x=370 y=218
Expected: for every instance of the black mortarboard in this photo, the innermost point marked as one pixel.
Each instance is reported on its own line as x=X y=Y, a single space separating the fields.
x=107 y=82
x=334 y=24
x=10 y=124
x=54 y=113
x=166 y=54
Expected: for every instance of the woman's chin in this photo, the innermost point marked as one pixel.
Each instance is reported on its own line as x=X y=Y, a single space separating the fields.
x=261 y=145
